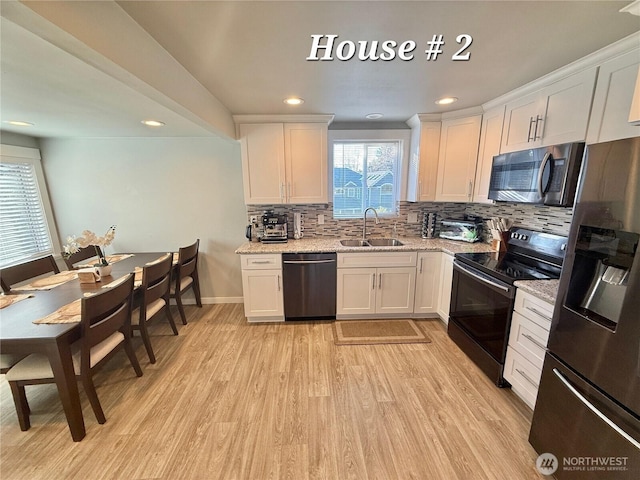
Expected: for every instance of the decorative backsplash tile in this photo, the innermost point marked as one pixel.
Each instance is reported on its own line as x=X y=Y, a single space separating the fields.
x=535 y=217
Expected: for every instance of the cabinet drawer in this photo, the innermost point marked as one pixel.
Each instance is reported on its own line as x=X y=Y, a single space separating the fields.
x=377 y=259
x=523 y=376
x=534 y=308
x=528 y=338
x=261 y=262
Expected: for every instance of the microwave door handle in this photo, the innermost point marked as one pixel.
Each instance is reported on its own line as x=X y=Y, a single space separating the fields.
x=542 y=190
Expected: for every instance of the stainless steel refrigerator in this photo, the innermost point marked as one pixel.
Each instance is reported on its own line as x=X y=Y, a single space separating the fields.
x=587 y=413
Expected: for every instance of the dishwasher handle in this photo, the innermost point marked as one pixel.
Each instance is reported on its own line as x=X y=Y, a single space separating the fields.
x=306 y=262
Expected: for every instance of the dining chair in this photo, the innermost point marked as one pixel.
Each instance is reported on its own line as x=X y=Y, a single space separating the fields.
x=105 y=326
x=186 y=277
x=82 y=254
x=8 y=360
x=156 y=284
x=11 y=276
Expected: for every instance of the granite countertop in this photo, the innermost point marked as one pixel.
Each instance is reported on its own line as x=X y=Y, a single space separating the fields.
x=546 y=290
x=317 y=244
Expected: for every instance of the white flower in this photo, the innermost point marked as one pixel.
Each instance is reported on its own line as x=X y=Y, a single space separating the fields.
x=74 y=244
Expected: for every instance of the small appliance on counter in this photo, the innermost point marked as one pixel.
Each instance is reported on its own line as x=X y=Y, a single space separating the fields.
x=429 y=225
x=464 y=230
x=274 y=227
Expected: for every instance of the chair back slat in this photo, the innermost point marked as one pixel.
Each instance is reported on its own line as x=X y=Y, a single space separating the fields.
x=19 y=273
x=82 y=254
x=105 y=313
x=187 y=260
x=156 y=278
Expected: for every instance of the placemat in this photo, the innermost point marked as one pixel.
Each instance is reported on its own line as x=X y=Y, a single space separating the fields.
x=70 y=313
x=6 y=300
x=110 y=259
x=50 y=282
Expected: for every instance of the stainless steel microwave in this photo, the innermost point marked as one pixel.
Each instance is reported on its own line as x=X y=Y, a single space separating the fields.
x=547 y=175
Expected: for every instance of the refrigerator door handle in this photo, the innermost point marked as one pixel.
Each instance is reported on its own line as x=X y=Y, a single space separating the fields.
x=591 y=407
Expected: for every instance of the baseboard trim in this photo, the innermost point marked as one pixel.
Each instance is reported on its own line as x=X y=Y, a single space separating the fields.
x=211 y=300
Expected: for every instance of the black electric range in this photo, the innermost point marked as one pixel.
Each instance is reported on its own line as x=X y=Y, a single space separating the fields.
x=483 y=294
x=530 y=255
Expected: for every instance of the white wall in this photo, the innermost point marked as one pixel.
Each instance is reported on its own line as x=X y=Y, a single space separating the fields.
x=162 y=193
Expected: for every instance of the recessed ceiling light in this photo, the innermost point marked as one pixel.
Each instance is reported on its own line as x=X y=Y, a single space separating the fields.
x=153 y=123
x=373 y=116
x=19 y=123
x=446 y=101
x=293 y=101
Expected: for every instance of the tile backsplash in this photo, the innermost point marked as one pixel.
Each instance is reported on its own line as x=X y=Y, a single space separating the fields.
x=535 y=217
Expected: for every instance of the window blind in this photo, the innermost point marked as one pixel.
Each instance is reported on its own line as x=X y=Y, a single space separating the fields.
x=24 y=233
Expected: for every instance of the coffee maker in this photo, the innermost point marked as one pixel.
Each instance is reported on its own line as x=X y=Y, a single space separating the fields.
x=274 y=227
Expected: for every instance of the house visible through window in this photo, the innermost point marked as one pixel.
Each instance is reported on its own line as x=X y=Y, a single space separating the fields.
x=364 y=176
x=24 y=233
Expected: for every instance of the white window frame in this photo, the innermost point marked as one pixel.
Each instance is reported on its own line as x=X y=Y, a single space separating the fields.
x=387 y=135
x=16 y=155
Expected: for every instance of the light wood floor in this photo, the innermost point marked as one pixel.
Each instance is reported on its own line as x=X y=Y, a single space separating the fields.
x=228 y=400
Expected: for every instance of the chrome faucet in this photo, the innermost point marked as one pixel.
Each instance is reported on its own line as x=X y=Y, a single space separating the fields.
x=364 y=221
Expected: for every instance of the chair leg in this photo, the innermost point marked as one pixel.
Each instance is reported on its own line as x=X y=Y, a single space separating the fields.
x=144 y=333
x=170 y=318
x=196 y=290
x=90 y=389
x=181 y=308
x=22 y=406
x=132 y=356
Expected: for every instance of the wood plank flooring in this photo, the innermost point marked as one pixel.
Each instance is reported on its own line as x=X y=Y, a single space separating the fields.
x=231 y=400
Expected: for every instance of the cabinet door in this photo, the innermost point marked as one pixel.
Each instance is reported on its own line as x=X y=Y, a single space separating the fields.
x=490 y=136
x=612 y=100
x=396 y=290
x=423 y=167
x=520 y=116
x=427 y=282
x=457 y=159
x=263 y=170
x=262 y=290
x=566 y=107
x=306 y=162
x=356 y=291
x=445 y=287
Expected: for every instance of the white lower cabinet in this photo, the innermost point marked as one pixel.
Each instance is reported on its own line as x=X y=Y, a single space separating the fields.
x=381 y=283
x=427 y=284
x=446 y=278
x=528 y=338
x=262 y=287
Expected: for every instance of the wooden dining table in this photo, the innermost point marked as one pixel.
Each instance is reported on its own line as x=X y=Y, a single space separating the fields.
x=19 y=335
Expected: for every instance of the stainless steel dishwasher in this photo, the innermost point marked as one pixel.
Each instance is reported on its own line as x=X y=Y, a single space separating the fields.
x=309 y=285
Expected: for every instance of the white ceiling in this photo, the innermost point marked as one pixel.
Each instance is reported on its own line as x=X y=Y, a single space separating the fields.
x=251 y=55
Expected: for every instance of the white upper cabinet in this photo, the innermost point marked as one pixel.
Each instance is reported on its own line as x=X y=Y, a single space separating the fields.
x=263 y=170
x=284 y=162
x=558 y=113
x=305 y=156
x=490 y=136
x=613 y=99
x=423 y=163
x=457 y=159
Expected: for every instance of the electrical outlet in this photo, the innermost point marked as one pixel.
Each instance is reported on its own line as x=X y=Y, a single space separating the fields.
x=321 y=219
x=412 y=217
x=253 y=219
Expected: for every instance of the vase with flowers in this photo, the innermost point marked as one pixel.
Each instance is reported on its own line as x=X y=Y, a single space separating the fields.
x=88 y=238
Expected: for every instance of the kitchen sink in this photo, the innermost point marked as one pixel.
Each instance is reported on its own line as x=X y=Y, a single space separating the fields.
x=354 y=243
x=384 y=242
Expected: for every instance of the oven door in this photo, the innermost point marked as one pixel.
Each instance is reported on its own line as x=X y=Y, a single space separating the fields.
x=481 y=307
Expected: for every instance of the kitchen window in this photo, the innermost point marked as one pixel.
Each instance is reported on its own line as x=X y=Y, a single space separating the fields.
x=367 y=171
x=24 y=226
